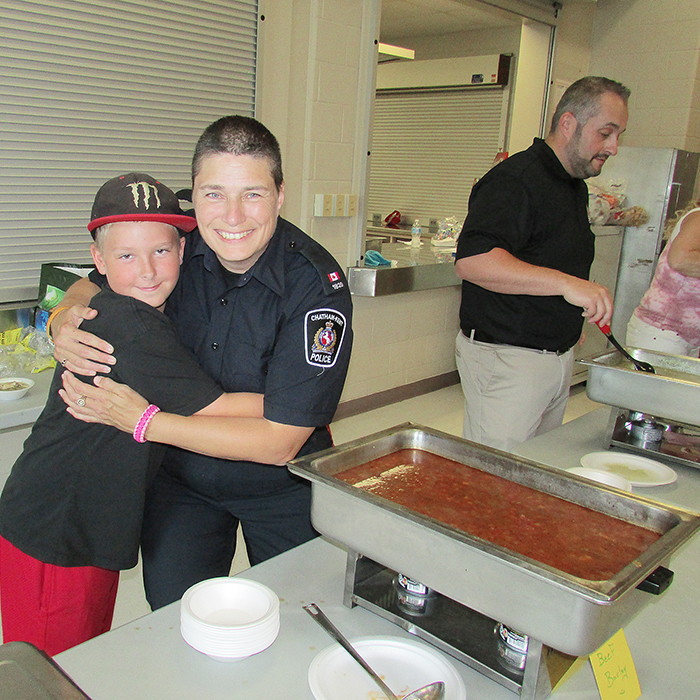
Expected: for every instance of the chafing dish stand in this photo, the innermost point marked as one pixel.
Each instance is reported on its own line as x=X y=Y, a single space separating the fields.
x=654 y=436
x=466 y=634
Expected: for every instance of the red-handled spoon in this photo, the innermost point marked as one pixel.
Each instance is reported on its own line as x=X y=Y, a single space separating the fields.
x=639 y=364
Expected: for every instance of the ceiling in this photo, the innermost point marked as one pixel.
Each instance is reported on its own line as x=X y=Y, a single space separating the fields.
x=403 y=19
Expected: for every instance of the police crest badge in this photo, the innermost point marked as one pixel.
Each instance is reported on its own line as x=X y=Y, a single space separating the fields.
x=325 y=329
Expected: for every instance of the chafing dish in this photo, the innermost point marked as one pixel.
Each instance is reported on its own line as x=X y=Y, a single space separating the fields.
x=657 y=413
x=673 y=392
x=572 y=615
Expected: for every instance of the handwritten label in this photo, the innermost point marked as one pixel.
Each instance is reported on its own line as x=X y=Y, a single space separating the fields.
x=614 y=670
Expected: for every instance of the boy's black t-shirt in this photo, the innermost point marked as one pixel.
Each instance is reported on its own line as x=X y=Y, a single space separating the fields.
x=75 y=496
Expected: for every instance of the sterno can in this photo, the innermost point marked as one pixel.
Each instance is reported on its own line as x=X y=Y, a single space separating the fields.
x=512 y=647
x=414 y=597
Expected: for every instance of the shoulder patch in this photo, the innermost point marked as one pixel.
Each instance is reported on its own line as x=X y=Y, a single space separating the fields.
x=332 y=276
x=324 y=330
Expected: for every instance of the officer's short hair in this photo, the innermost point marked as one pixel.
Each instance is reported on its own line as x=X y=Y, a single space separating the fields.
x=239 y=136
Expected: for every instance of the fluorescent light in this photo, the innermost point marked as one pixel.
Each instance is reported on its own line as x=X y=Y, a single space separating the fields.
x=396 y=51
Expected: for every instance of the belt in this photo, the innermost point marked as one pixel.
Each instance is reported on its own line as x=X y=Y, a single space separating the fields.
x=483 y=337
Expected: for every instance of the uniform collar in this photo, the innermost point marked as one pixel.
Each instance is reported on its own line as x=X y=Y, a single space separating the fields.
x=268 y=269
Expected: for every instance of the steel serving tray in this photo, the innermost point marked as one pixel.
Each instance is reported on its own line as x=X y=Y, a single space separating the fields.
x=672 y=393
x=564 y=612
x=29 y=674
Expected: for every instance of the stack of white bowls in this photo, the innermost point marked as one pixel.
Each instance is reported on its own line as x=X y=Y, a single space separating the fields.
x=229 y=618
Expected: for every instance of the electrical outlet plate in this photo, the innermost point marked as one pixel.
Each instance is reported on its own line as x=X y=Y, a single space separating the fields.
x=335 y=204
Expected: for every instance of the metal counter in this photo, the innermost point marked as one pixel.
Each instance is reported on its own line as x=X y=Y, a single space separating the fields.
x=427 y=267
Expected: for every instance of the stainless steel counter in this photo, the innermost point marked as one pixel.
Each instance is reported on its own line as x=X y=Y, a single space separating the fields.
x=148 y=658
x=427 y=267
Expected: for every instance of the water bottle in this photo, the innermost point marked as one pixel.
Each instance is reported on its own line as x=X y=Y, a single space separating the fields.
x=415 y=234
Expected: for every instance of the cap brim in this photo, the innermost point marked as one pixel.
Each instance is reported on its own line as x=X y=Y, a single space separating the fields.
x=181 y=221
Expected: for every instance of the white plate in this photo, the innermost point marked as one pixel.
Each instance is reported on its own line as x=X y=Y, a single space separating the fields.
x=402 y=664
x=639 y=471
x=603 y=477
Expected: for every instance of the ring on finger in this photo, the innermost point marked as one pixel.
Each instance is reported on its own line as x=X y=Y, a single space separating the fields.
x=63 y=361
x=81 y=401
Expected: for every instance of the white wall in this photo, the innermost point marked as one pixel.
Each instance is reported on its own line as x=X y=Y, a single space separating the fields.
x=653 y=47
x=316 y=86
x=530 y=86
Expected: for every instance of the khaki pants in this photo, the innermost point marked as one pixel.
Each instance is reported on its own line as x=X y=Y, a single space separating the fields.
x=511 y=394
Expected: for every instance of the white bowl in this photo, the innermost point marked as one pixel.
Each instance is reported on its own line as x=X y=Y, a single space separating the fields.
x=603 y=477
x=229 y=618
x=230 y=603
x=12 y=388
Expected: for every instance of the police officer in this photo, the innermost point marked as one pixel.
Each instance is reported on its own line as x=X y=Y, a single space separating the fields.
x=265 y=309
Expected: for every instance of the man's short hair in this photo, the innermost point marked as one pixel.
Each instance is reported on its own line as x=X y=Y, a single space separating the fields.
x=239 y=136
x=582 y=98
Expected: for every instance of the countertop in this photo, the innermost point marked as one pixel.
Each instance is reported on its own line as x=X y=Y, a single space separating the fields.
x=26 y=410
x=148 y=659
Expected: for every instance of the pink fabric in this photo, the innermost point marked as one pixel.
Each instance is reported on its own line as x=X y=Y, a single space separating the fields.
x=53 y=607
x=672 y=302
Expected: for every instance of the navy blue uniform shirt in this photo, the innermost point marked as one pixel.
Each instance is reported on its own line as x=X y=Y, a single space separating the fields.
x=283 y=329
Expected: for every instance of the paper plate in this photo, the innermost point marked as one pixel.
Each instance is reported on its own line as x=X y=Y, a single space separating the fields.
x=603 y=477
x=404 y=665
x=639 y=471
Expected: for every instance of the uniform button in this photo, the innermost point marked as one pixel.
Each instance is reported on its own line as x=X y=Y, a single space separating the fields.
x=223 y=301
x=214 y=346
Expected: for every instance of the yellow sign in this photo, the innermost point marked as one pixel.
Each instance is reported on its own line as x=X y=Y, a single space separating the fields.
x=614 y=670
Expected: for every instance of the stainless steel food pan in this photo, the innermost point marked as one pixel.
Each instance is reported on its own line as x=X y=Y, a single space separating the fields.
x=29 y=674
x=672 y=393
x=567 y=613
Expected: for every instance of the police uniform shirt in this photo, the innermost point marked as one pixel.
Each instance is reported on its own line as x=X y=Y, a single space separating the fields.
x=282 y=328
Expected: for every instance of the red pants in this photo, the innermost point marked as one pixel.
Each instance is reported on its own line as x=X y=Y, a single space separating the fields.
x=53 y=607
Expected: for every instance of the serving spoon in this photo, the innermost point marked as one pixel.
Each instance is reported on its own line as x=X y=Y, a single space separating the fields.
x=639 y=364
x=433 y=691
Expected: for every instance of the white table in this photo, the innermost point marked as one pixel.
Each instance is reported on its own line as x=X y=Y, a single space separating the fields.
x=148 y=659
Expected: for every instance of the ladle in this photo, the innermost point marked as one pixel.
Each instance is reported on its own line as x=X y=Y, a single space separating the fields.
x=639 y=364
x=434 y=691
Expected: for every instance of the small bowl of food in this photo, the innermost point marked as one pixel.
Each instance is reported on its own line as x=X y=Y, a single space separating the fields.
x=12 y=388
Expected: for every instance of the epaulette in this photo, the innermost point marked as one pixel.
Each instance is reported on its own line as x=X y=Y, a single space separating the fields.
x=332 y=276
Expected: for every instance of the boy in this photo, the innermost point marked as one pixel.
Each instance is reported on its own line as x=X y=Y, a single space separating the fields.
x=71 y=511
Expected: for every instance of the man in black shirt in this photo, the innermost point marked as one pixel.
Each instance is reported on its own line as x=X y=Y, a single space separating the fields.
x=524 y=255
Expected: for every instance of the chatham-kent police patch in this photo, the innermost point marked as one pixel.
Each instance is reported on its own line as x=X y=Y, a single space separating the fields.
x=325 y=329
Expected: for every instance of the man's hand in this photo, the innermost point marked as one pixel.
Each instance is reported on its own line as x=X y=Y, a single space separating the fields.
x=592 y=297
x=80 y=351
x=499 y=271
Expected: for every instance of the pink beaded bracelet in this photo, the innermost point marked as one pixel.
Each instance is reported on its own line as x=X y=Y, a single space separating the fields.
x=142 y=424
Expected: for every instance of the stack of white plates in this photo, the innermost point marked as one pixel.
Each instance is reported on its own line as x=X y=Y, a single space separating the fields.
x=229 y=618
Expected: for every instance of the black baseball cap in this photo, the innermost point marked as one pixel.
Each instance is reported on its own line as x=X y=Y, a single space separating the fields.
x=137 y=197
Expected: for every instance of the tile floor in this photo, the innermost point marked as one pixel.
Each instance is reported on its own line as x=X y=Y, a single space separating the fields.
x=441 y=410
